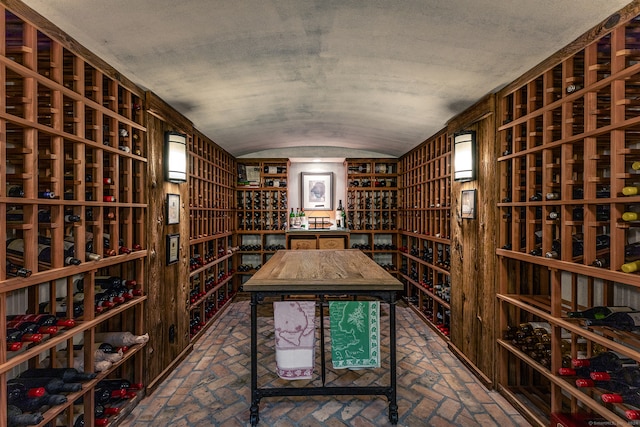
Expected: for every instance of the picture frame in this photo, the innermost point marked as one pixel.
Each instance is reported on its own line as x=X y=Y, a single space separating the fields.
x=173 y=209
x=173 y=248
x=316 y=191
x=468 y=204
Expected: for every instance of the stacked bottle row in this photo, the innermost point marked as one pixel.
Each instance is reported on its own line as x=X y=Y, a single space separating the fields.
x=211 y=202
x=424 y=270
x=372 y=194
x=262 y=210
x=74 y=206
x=211 y=188
x=568 y=236
x=381 y=247
x=256 y=249
x=426 y=188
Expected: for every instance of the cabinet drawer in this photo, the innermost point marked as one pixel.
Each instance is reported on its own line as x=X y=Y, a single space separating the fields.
x=303 y=243
x=331 y=243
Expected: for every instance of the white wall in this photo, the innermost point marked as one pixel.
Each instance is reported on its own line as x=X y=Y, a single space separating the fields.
x=339 y=181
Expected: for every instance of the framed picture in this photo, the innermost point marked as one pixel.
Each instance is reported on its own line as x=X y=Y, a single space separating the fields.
x=468 y=204
x=173 y=248
x=173 y=209
x=316 y=191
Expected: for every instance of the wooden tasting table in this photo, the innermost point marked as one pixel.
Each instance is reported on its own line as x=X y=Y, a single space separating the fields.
x=320 y=273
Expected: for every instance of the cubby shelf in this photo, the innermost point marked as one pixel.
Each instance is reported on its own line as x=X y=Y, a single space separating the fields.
x=211 y=207
x=568 y=139
x=73 y=197
x=425 y=230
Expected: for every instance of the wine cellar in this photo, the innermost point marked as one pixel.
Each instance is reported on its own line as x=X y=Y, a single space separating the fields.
x=116 y=270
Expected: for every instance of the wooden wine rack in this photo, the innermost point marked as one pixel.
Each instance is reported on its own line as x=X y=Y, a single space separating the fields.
x=568 y=136
x=74 y=129
x=425 y=230
x=211 y=202
x=262 y=215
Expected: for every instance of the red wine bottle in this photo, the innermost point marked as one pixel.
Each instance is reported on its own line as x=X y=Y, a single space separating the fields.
x=32 y=327
x=16 y=418
x=68 y=375
x=631 y=397
x=611 y=386
x=605 y=361
x=16 y=335
x=51 y=385
x=30 y=400
x=621 y=321
x=629 y=375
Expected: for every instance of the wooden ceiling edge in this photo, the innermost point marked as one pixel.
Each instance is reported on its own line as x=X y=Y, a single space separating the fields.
x=45 y=26
x=159 y=108
x=483 y=108
x=622 y=16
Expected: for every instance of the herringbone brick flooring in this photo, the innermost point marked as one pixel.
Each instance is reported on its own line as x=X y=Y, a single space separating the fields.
x=211 y=386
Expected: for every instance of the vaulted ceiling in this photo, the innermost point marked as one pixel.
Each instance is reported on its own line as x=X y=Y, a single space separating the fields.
x=323 y=77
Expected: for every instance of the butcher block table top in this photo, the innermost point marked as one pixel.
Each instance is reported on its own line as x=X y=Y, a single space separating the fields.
x=321 y=269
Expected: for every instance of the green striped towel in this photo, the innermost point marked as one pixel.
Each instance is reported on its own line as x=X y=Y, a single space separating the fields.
x=355 y=334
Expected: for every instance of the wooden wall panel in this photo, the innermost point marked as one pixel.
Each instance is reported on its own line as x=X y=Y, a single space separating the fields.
x=473 y=244
x=167 y=287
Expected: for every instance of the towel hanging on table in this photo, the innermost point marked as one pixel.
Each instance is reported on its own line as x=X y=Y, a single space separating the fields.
x=295 y=334
x=355 y=334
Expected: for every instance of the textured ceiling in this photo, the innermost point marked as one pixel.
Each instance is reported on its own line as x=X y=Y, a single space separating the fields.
x=323 y=76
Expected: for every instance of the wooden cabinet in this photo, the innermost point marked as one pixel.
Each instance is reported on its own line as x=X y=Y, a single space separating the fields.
x=74 y=203
x=425 y=230
x=318 y=240
x=211 y=202
x=568 y=139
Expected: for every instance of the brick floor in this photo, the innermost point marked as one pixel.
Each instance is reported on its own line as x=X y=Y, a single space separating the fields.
x=211 y=386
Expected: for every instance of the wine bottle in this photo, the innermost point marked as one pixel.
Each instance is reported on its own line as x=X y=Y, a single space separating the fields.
x=108 y=198
x=630 y=216
x=605 y=361
x=118 y=384
x=45 y=320
x=16 y=418
x=121 y=339
x=623 y=321
x=68 y=375
x=51 y=385
x=552 y=196
x=631 y=190
x=60 y=307
x=97 y=421
x=598 y=312
x=628 y=375
x=630 y=397
x=46 y=194
x=30 y=400
x=536 y=197
x=16 y=247
x=611 y=386
x=16 y=270
x=32 y=327
x=14 y=191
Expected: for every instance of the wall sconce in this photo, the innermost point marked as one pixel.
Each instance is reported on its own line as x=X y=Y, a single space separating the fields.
x=175 y=157
x=464 y=156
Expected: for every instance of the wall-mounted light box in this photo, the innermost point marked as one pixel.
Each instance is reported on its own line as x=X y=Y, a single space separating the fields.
x=464 y=156
x=175 y=157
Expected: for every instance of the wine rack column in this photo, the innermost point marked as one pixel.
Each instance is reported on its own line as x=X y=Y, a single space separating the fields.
x=425 y=231
x=74 y=207
x=568 y=231
x=262 y=218
x=372 y=209
x=211 y=200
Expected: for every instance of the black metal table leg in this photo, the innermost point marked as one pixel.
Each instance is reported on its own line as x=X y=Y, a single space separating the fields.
x=255 y=395
x=393 y=405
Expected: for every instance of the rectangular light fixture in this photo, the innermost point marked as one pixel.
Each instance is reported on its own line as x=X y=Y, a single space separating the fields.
x=464 y=156
x=175 y=157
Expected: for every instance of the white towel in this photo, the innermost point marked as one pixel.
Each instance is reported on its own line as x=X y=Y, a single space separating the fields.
x=295 y=334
